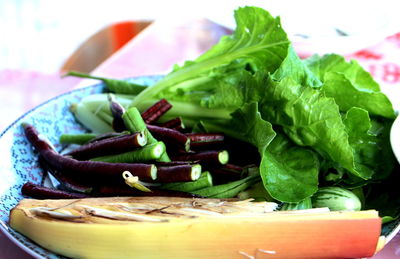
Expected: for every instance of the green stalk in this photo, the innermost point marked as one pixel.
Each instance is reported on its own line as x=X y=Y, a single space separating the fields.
x=204 y=181
x=144 y=154
x=228 y=190
x=76 y=138
x=134 y=123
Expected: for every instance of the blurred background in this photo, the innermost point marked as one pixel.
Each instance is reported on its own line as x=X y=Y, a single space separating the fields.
x=41 y=35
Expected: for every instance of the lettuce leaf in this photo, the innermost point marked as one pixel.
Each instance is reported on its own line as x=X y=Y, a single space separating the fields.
x=370 y=144
x=246 y=124
x=292 y=66
x=350 y=85
x=365 y=153
x=310 y=119
x=362 y=80
x=289 y=172
x=247 y=121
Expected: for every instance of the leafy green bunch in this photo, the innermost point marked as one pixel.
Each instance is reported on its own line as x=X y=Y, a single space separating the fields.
x=317 y=122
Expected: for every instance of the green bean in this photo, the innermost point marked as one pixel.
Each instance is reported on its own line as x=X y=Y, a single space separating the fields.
x=204 y=181
x=135 y=123
x=77 y=138
x=147 y=153
x=84 y=138
x=178 y=173
x=228 y=190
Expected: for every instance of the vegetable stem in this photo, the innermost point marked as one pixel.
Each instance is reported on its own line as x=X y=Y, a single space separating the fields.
x=175 y=138
x=124 y=190
x=154 y=112
x=134 y=122
x=179 y=173
x=206 y=158
x=40 y=192
x=176 y=124
x=109 y=146
x=86 y=170
x=117 y=110
x=205 y=140
x=147 y=153
x=228 y=190
x=204 y=181
x=77 y=138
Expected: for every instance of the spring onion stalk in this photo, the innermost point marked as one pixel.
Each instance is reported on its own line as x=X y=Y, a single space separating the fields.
x=77 y=138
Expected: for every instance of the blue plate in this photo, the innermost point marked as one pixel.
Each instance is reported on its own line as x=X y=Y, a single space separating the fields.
x=19 y=163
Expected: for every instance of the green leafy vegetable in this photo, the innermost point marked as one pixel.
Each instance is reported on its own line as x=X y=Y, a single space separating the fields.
x=310 y=119
x=292 y=66
x=316 y=122
x=289 y=172
x=350 y=85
